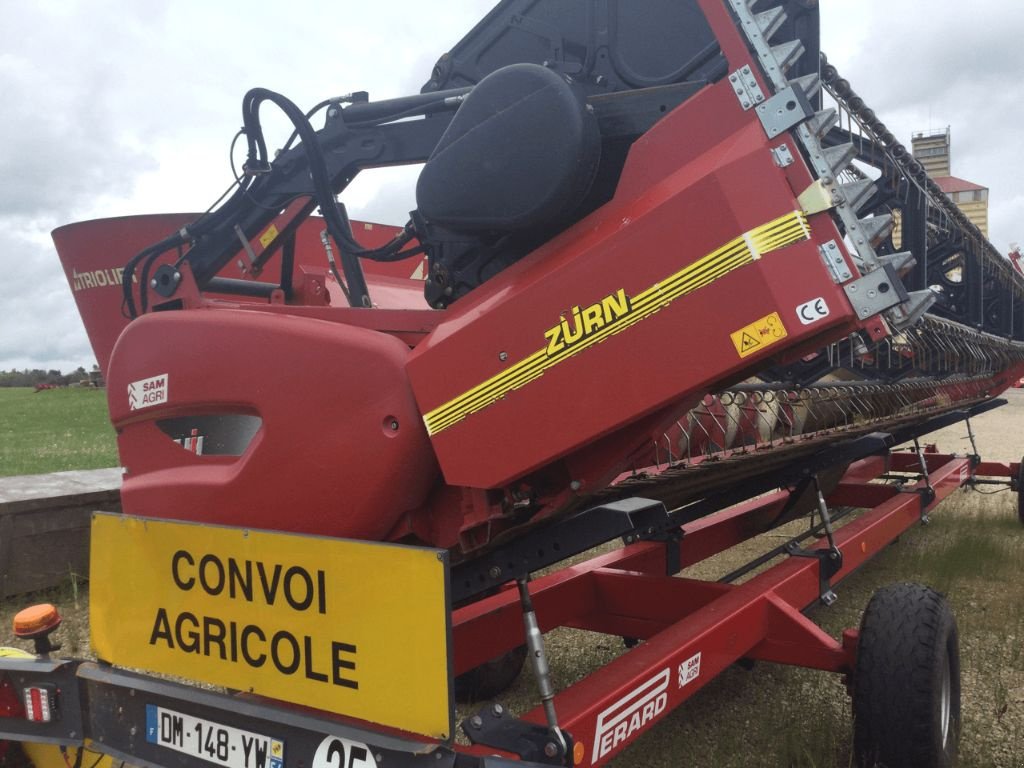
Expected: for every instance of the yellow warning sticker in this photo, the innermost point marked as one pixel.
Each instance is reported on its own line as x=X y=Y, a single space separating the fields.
x=759 y=334
x=268 y=237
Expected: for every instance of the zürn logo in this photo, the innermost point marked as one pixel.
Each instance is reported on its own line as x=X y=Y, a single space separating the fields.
x=587 y=321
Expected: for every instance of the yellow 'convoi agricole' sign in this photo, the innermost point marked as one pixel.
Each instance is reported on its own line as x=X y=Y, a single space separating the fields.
x=358 y=628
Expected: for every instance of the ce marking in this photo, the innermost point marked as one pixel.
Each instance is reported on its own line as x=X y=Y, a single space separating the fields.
x=812 y=311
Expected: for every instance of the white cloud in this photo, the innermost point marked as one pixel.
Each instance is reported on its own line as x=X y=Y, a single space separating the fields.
x=112 y=107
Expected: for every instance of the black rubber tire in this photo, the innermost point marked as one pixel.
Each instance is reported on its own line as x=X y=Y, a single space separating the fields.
x=908 y=644
x=491 y=678
x=1020 y=492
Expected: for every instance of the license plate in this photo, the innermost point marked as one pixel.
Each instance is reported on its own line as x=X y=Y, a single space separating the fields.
x=213 y=742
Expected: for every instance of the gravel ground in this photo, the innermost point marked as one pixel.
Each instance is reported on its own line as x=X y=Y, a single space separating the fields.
x=771 y=715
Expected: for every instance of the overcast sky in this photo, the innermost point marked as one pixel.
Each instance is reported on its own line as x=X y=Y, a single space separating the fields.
x=113 y=107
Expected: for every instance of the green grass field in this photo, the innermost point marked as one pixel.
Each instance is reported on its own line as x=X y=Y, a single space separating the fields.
x=54 y=430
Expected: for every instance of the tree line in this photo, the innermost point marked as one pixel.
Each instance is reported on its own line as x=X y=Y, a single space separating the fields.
x=52 y=377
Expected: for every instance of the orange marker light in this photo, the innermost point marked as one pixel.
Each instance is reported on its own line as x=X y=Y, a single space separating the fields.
x=36 y=621
x=577 y=753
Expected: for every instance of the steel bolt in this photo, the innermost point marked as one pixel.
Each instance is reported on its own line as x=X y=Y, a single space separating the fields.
x=551 y=749
x=379 y=757
x=394 y=425
x=132 y=731
x=177 y=277
x=497 y=710
x=494 y=572
x=152 y=283
x=503 y=356
x=476 y=722
x=575 y=485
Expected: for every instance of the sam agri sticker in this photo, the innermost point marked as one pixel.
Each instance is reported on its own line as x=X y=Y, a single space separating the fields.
x=689 y=670
x=147 y=392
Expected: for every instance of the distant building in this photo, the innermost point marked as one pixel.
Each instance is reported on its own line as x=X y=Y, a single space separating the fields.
x=932 y=150
x=969 y=197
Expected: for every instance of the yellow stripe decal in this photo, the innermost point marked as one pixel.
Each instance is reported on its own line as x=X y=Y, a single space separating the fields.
x=616 y=313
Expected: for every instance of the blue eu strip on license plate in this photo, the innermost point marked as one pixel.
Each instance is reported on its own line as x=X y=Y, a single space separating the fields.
x=213 y=742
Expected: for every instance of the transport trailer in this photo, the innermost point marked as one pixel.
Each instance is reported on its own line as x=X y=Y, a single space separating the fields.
x=650 y=291
x=681 y=632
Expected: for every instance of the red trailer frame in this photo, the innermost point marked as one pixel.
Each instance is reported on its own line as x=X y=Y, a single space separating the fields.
x=691 y=630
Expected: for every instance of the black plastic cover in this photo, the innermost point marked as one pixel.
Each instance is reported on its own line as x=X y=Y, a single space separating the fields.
x=605 y=45
x=520 y=153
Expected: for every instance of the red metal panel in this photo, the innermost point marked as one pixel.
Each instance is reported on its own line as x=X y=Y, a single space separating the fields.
x=792 y=638
x=997 y=469
x=347 y=427
x=647 y=233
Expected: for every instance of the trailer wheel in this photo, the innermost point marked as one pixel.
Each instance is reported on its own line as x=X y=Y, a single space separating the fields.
x=906 y=686
x=490 y=678
x=1020 y=492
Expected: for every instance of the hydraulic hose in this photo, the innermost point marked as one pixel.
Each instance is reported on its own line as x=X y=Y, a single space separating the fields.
x=358 y=294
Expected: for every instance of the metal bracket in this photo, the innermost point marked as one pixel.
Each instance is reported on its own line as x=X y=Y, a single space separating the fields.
x=165 y=280
x=876 y=292
x=815 y=199
x=672 y=539
x=493 y=726
x=546 y=545
x=787 y=108
x=830 y=562
x=834 y=262
x=744 y=84
x=782 y=156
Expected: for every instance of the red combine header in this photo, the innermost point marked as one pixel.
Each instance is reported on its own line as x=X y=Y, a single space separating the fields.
x=649 y=292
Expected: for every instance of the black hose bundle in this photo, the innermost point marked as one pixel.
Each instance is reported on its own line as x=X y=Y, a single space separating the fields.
x=257 y=165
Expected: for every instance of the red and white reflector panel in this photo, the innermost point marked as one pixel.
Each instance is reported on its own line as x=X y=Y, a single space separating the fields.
x=39 y=701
